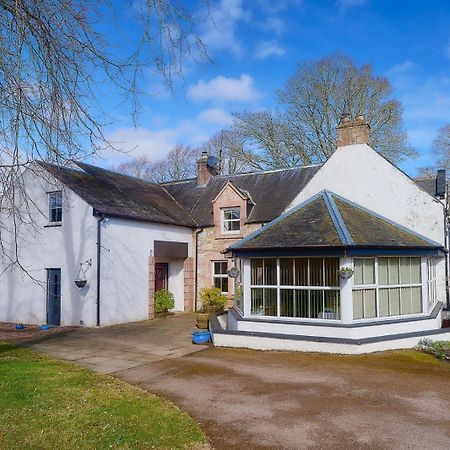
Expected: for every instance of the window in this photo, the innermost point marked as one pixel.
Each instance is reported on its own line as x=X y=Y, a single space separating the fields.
x=386 y=287
x=231 y=220
x=295 y=287
x=221 y=275
x=431 y=282
x=55 y=206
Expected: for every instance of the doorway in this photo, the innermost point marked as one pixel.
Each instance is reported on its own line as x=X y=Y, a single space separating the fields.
x=161 y=276
x=54 y=297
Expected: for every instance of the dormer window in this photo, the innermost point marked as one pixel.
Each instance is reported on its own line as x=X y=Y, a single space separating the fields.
x=55 y=207
x=231 y=220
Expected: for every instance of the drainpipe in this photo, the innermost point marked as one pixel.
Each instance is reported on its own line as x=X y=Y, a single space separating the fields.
x=196 y=233
x=100 y=219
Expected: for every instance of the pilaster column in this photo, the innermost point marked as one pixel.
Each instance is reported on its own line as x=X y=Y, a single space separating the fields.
x=346 y=292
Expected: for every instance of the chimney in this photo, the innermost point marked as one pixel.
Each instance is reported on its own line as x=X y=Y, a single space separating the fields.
x=441 y=183
x=204 y=170
x=352 y=132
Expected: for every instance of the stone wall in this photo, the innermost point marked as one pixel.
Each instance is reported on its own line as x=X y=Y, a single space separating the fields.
x=209 y=249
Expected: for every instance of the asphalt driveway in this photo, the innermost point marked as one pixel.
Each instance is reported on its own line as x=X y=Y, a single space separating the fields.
x=275 y=400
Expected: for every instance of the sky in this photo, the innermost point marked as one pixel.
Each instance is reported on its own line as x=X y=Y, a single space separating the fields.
x=255 y=46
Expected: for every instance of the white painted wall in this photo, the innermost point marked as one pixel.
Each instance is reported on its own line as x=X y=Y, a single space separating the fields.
x=126 y=246
x=23 y=299
x=361 y=175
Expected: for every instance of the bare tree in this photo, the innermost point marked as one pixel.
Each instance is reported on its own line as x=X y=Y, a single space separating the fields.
x=441 y=148
x=310 y=106
x=228 y=146
x=53 y=60
x=179 y=164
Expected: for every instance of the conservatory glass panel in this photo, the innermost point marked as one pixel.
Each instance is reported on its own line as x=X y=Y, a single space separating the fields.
x=301 y=272
x=286 y=271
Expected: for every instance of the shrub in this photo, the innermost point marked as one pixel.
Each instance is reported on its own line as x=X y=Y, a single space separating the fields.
x=212 y=299
x=440 y=349
x=163 y=301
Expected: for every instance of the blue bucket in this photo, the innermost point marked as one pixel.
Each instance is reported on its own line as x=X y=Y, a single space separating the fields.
x=200 y=337
x=20 y=326
x=44 y=327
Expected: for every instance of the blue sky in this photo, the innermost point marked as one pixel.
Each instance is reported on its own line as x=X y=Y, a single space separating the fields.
x=255 y=46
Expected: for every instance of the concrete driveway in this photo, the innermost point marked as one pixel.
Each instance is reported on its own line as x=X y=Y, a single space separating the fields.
x=275 y=400
x=119 y=347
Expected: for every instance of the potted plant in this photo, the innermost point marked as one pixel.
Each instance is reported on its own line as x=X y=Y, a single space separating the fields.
x=213 y=301
x=163 y=301
x=346 y=273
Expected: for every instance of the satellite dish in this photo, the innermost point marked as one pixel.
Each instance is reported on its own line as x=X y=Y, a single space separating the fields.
x=212 y=162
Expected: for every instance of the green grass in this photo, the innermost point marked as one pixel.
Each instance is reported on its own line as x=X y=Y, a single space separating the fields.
x=45 y=403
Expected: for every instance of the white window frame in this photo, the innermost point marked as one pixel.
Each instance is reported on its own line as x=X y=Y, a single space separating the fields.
x=220 y=275
x=278 y=286
x=432 y=296
x=50 y=209
x=223 y=220
x=378 y=286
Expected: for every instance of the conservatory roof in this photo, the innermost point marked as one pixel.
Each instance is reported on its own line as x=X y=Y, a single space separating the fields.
x=327 y=220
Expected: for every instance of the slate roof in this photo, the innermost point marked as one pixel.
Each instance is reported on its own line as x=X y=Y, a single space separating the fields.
x=120 y=195
x=271 y=191
x=328 y=220
x=429 y=184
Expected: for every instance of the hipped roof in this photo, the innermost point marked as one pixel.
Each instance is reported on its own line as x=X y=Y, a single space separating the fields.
x=328 y=220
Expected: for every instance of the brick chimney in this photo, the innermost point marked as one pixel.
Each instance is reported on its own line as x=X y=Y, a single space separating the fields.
x=351 y=132
x=204 y=171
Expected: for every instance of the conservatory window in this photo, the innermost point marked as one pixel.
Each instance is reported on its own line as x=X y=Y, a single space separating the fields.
x=295 y=287
x=386 y=287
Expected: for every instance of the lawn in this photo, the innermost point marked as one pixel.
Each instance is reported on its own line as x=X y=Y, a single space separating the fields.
x=45 y=403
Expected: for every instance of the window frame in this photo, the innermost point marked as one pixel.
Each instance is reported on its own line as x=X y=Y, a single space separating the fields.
x=221 y=276
x=57 y=208
x=377 y=286
x=431 y=282
x=279 y=287
x=223 y=220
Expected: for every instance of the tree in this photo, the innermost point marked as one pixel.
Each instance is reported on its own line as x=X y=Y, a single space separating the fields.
x=228 y=146
x=179 y=164
x=441 y=148
x=54 y=55
x=310 y=105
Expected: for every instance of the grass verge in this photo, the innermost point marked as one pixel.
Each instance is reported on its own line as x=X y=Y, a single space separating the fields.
x=46 y=403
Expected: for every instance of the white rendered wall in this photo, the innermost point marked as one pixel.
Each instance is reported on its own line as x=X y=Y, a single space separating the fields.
x=23 y=299
x=126 y=246
x=267 y=343
x=359 y=174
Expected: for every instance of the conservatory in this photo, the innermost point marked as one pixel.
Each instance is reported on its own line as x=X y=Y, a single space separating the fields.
x=331 y=273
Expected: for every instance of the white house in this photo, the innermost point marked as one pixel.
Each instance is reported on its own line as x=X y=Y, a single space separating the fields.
x=357 y=262
x=348 y=256
x=94 y=225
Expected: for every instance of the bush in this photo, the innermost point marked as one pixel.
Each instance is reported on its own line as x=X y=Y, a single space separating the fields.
x=212 y=299
x=440 y=349
x=163 y=301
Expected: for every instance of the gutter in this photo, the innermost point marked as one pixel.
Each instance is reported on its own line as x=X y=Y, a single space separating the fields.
x=100 y=219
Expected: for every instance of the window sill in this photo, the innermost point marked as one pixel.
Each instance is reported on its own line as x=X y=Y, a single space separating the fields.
x=230 y=236
x=53 y=225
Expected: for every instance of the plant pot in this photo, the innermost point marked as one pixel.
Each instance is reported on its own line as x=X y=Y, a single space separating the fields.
x=200 y=337
x=80 y=283
x=202 y=321
x=346 y=274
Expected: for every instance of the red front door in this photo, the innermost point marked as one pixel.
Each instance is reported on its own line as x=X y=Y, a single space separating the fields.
x=161 y=271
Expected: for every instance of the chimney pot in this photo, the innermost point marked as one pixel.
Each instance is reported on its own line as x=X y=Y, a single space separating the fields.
x=352 y=132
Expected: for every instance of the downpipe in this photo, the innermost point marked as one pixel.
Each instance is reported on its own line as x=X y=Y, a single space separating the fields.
x=100 y=220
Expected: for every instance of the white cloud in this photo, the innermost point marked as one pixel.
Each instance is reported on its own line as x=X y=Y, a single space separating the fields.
x=129 y=142
x=401 y=68
x=267 y=49
x=216 y=115
x=220 y=26
x=225 y=89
